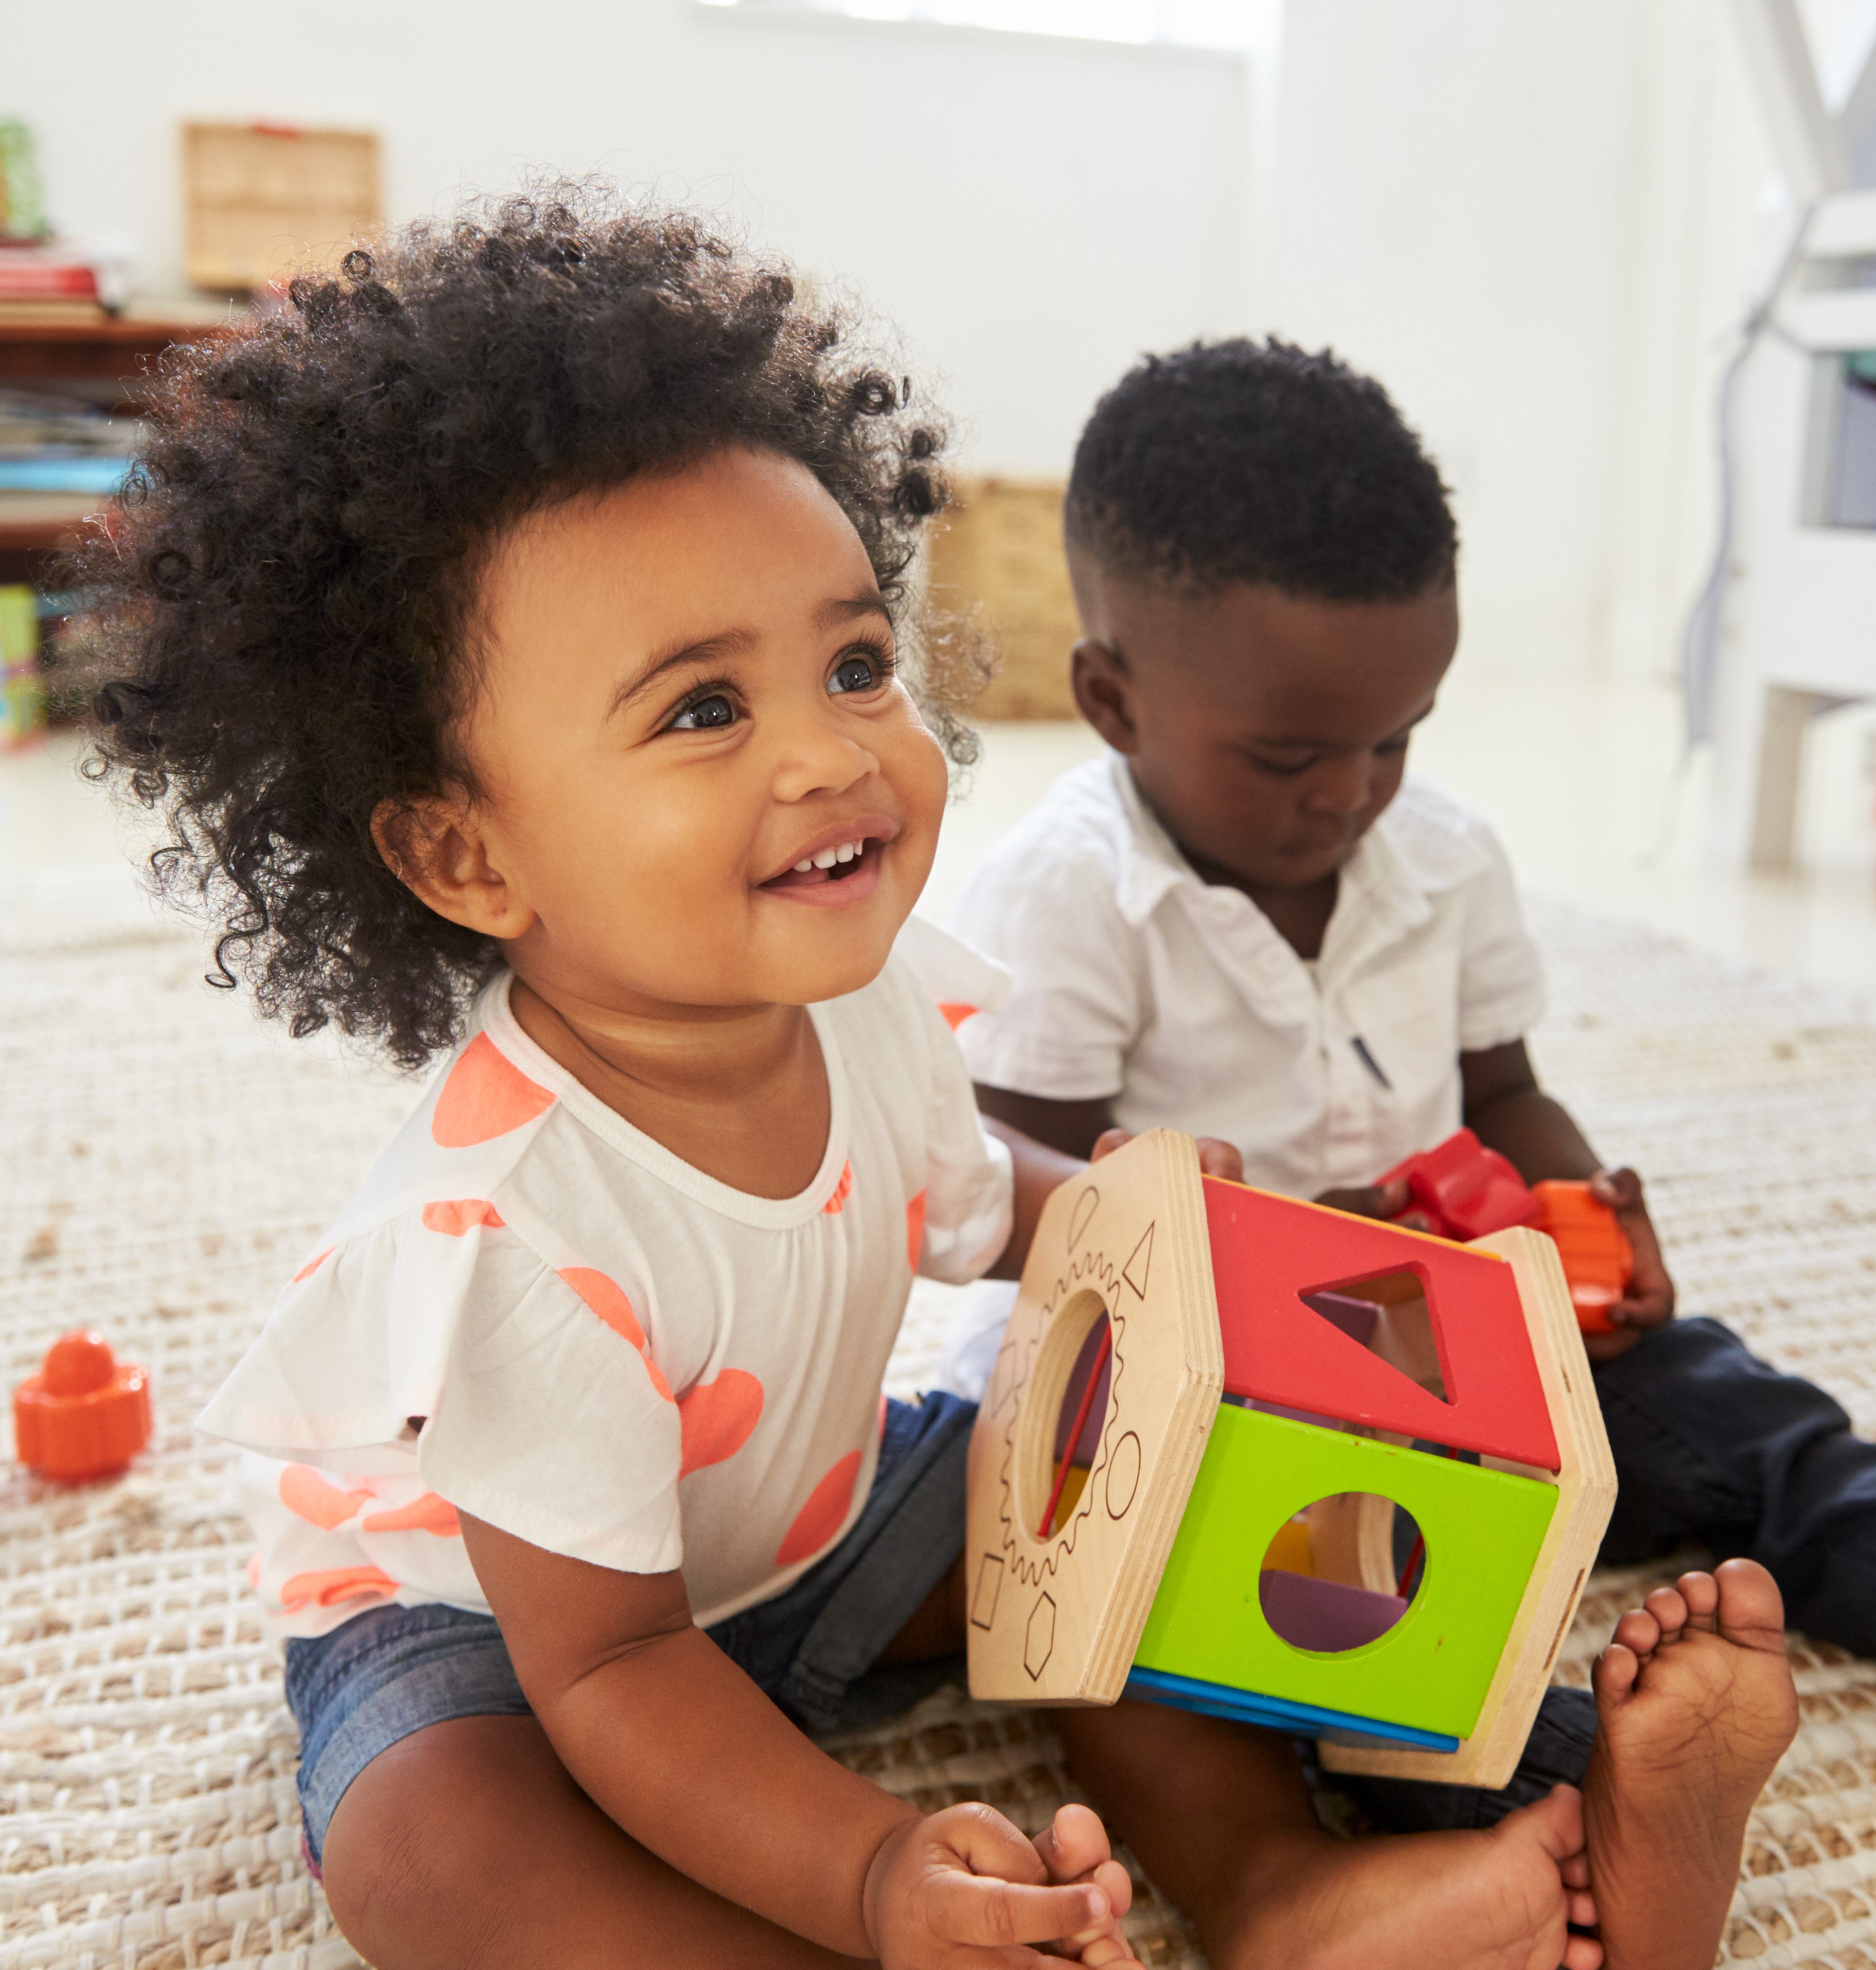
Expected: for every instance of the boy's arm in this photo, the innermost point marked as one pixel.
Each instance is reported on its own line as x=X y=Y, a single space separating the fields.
x=1073 y=1127
x=679 y=1748
x=1508 y=1112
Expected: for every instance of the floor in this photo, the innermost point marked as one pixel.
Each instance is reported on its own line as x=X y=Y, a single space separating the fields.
x=1579 y=775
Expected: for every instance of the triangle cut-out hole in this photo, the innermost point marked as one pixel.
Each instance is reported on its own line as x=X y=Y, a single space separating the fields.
x=1387 y=1314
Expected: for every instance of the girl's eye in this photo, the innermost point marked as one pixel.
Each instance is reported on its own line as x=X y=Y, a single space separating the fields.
x=1283 y=769
x=856 y=673
x=705 y=715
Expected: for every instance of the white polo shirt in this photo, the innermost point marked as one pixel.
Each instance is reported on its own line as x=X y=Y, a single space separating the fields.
x=1133 y=979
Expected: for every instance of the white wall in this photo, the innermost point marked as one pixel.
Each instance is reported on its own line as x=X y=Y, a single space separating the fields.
x=1533 y=222
x=1031 y=212
x=1522 y=218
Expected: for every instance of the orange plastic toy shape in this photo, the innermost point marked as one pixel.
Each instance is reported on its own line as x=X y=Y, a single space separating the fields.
x=1469 y=1191
x=1598 y=1258
x=84 y=1415
x=1466 y=1190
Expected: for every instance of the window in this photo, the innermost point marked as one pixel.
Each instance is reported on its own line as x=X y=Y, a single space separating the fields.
x=1200 y=23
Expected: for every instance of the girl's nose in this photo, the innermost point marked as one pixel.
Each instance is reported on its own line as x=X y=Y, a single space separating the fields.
x=817 y=754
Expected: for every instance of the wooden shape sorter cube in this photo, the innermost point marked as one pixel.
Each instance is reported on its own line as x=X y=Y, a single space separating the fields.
x=1218 y=1423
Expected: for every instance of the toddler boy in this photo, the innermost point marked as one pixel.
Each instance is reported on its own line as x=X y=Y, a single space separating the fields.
x=1248 y=922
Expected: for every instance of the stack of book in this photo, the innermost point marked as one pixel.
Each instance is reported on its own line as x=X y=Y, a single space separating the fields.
x=50 y=443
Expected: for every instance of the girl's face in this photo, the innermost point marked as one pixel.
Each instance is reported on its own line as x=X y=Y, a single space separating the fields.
x=701 y=783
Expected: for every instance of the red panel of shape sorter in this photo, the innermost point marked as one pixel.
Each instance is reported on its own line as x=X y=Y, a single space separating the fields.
x=1266 y=1251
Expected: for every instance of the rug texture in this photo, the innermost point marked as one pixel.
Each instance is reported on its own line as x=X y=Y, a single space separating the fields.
x=165 y=1160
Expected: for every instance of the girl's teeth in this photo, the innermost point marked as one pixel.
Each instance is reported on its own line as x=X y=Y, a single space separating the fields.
x=827 y=858
x=802 y=868
x=846 y=851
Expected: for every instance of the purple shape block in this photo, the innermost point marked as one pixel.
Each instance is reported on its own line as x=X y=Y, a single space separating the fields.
x=1356 y=1318
x=1325 y=1616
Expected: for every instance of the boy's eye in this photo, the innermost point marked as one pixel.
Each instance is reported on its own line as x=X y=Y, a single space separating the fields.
x=704 y=714
x=856 y=672
x=1283 y=769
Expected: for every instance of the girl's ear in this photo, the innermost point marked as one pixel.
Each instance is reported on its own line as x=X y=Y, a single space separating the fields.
x=436 y=847
x=1104 y=692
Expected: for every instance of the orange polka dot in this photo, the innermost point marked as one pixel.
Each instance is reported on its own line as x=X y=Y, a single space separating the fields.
x=883 y=1409
x=608 y=1300
x=842 y=1191
x=716 y=1417
x=335 y=1585
x=460 y=1214
x=312 y=1265
x=428 y=1513
x=308 y=1496
x=256 y=1567
x=820 y=1518
x=955 y=1015
x=485 y=1096
x=915 y=1230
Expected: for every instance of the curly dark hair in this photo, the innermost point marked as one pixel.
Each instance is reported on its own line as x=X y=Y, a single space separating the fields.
x=286 y=598
x=1259 y=461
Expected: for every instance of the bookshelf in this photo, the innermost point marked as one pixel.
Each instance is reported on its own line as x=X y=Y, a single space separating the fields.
x=106 y=362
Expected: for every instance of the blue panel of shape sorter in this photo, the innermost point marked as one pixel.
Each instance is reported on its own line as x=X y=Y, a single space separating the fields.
x=1430 y=1672
x=1214 y=1699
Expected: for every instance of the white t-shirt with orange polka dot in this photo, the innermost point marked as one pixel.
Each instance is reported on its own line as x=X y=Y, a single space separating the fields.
x=533 y=1312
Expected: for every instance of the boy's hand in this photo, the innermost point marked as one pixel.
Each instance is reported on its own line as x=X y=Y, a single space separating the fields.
x=1387 y=1200
x=1074 y=1847
x=963 y=1887
x=1215 y=1159
x=1649 y=1299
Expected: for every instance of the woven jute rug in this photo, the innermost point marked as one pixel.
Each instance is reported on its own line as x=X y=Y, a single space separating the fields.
x=164 y=1160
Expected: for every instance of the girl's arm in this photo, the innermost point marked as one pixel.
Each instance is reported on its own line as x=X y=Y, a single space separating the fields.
x=677 y=1745
x=1039 y=1169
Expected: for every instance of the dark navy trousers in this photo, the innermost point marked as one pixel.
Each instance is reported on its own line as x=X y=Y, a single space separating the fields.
x=1715 y=1446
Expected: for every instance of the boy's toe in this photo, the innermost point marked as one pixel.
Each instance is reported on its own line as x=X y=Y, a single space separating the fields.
x=1701 y=1593
x=1639 y=1632
x=1751 y=1611
x=1669 y=1610
x=1612 y=1675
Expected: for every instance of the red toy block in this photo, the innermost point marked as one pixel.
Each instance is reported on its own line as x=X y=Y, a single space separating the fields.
x=1598 y=1261
x=1467 y=1190
x=83 y=1416
x=1268 y=1251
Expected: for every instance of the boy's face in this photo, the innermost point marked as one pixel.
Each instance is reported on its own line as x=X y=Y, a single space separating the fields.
x=1267 y=731
x=686 y=691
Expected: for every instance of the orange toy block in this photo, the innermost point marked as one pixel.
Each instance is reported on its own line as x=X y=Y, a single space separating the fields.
x=1598 y=1261
x=84 y=1415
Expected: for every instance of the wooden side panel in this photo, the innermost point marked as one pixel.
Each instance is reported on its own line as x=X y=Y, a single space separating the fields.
x=1267 y=1250
x=1586 y=1496
x=263 y=200
x=1057 y=1619
x=998 y=550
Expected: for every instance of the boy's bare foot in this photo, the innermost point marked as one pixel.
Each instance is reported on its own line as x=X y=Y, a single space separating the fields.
x=1074 y=1848
x=1498 y=1900
x=1696 y=1704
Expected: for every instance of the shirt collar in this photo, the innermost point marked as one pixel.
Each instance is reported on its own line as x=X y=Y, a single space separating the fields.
x=1388 y=885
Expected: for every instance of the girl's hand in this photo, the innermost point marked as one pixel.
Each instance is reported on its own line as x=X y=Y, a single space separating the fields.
x=1215 y=1157
x=963 y=1888
x=1649 y=1299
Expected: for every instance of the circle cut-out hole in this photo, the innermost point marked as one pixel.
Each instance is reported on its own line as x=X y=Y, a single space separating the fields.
x=1342 y=1573
x=1081 y=1416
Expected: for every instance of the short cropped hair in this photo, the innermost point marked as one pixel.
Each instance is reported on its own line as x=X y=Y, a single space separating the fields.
x=1246 y=461
x=287 y=596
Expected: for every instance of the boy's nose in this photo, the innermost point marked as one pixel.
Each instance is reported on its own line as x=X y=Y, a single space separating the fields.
x=1340 y=787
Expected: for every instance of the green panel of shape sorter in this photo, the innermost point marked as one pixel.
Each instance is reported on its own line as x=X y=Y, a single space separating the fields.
x=1483 y=1530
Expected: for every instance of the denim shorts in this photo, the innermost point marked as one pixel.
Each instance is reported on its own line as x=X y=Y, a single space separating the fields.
x=381 y=1675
